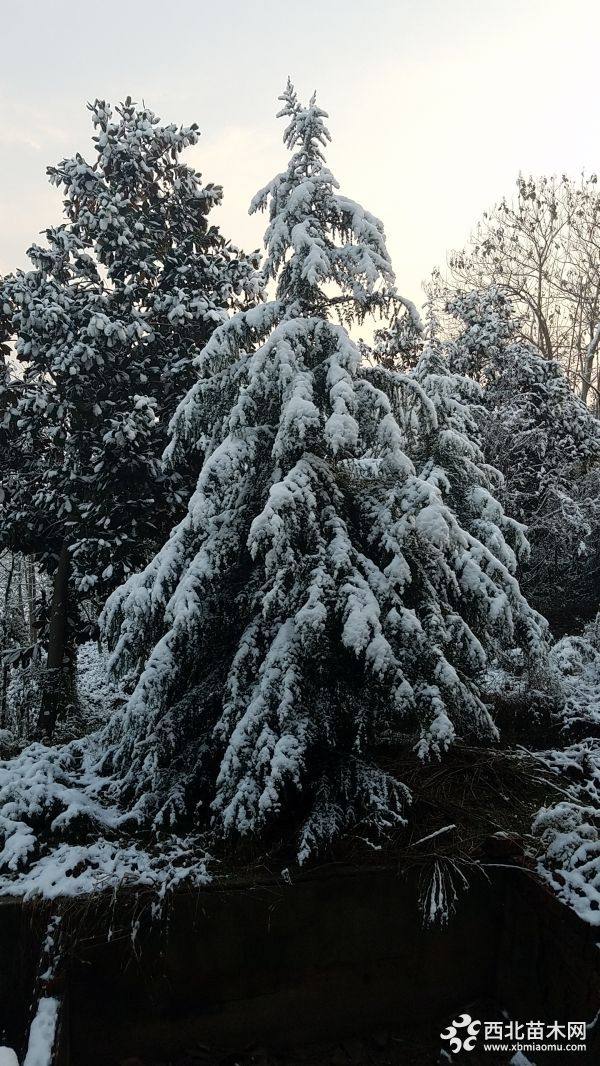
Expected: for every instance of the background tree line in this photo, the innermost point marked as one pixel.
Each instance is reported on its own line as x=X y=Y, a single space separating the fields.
x=541 y=248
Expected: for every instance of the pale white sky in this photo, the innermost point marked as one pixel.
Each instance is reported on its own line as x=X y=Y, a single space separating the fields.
x=435 y=105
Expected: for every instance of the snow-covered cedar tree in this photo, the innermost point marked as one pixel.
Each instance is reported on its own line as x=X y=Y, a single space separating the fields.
x=546 y=443
x=105 y=328
x=321 y=597
x=449 y=455
x=398 y=345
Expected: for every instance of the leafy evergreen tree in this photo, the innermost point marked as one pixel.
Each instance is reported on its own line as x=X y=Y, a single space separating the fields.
x=546 y=443
x=321 y=596
x=107 y=325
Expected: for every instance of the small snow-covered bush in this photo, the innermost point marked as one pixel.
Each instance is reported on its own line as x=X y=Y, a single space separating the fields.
x=575 y=661
x=569 y=830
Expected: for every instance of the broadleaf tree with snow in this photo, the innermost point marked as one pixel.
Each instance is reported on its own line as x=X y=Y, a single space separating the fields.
x=105 y=327
x=321 y=597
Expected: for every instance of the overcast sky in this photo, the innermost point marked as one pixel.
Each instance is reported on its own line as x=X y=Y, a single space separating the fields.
x=435 y=105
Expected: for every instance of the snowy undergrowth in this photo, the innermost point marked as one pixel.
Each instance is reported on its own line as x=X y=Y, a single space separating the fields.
x=576 y=663
x=98 y=694
x=86 y=869
x=97 y=697
x=569 y=830
x=43 y=858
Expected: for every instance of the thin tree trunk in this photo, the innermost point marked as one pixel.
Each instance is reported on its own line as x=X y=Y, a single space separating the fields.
x=4 y=699
x=6 y=637
x=20 y=600
x=588 y=366
x=54 y=680
x=31 y=596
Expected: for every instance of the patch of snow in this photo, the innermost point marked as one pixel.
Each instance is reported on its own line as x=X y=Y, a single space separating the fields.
x=82 y=869
x=431 y=836
x=8 y=1057
x=42 y=1033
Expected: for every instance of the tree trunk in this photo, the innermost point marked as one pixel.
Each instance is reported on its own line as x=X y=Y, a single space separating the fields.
x=31 y=597
x=588 y=363
x=54 y=679
x=4 y=699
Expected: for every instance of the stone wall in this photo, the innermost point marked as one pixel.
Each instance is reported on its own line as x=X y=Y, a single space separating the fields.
x=338 y=952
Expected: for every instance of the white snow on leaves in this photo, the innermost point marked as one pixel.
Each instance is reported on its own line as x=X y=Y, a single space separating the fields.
x=569 y=830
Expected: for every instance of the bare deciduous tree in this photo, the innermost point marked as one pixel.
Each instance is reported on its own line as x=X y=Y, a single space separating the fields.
x=543 y=250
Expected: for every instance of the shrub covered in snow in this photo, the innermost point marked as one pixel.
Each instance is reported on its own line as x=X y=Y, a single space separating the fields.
x=569 y=830
x=575 y=661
